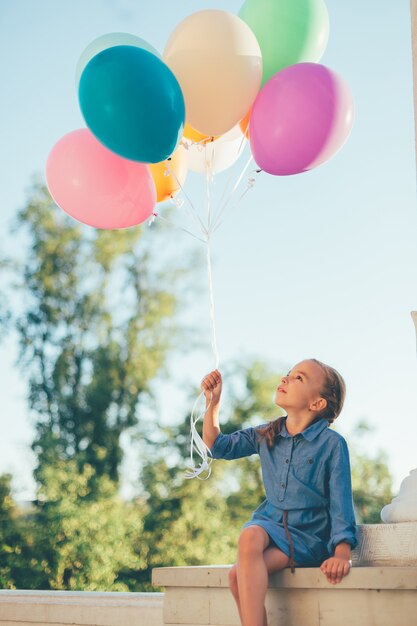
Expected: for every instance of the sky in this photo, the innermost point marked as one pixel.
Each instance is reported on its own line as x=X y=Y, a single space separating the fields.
x=321 y=265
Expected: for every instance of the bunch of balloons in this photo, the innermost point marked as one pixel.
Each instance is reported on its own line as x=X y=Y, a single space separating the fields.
x=223 y=80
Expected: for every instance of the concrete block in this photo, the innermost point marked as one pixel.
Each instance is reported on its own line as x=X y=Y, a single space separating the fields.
x=186 y=605
x=289 y=609
x=386 y=544
x=223 y=609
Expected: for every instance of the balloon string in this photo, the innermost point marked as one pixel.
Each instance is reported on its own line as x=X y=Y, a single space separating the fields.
x=199 y=446
x=197 y=443
x=179 y=205
x=226 y=203
x=194 y=214
x=185 y=230
x=209 y=175
x=212 y=311
x=251 y=182
x=226 y=188
x=229 y=180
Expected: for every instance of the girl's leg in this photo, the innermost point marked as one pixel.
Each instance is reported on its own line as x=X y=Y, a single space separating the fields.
x=249 y=579
x=275 y=560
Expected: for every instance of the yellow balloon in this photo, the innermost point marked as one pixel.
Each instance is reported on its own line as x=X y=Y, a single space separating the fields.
x=169 y=175
x=194 y=135
x=218 y=64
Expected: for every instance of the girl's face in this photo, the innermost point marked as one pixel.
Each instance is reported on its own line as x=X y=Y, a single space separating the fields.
x=300 y=389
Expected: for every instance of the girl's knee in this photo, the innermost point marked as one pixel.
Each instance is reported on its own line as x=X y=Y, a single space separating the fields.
x=253 y=539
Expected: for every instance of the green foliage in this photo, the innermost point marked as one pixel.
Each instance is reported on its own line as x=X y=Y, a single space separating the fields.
x=8 y=531
x=186 y=522
x=96 y=326
x=85 y=538
x=371 y=478
x=17 y=570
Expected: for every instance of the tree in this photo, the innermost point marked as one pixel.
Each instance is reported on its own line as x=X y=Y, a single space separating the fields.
x=371 y=478
x=8 y=530
x=17 y=568
x=84 y=537
x=96 y=325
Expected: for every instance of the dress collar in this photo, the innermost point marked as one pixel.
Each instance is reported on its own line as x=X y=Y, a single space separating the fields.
x=309 y=433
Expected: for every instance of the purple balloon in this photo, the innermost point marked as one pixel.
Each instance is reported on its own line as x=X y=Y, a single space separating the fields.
x=300 y=118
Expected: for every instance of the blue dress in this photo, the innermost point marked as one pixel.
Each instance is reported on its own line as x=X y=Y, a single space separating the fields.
x=308 y=488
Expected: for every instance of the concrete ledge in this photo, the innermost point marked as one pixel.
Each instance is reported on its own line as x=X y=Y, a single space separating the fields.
x=56 y=608
x=368 y=596
x=303 y=578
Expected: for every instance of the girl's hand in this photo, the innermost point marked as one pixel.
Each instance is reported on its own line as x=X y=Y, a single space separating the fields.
x=212 y=384
x=335 y=569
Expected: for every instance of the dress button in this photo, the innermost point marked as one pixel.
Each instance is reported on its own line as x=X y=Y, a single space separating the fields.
x=282 y=484
x=287 y=460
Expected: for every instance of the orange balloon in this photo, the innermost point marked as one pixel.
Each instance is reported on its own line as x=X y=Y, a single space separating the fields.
x=169 y=175
x=244 y=124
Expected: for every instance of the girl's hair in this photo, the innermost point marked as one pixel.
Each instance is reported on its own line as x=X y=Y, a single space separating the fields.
x=333 y=390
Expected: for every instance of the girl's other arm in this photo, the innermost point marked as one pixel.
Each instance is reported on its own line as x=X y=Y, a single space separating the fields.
x=342 y=517
x=212 y=387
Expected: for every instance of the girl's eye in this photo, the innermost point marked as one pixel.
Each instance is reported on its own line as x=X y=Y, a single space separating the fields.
x=299 y=377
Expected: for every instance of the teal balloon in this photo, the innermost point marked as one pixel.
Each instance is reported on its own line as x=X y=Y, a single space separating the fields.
x=108 y=41
x=288 y=31
x=132 y=103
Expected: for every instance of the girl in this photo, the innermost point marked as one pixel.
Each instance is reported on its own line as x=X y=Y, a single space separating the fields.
x=307 y=518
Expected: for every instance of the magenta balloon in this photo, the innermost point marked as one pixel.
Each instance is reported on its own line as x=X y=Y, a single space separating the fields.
x=96 y=186
x=300 y=118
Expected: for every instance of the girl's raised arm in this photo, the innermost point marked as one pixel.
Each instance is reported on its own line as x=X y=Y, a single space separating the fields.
x=212 y=387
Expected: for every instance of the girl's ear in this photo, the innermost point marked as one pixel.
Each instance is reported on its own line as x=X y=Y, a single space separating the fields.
x=319 y=404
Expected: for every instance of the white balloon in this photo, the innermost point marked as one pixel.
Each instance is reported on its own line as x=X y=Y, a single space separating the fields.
x=216 y=156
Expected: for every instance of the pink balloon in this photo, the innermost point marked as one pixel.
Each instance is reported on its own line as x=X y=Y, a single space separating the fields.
x=96 y=186
x=300 y=118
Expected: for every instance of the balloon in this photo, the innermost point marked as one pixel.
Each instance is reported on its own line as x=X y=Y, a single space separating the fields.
x=300 y=118
x=288 y=31
x=169 y=175
x=244 y=124
x=132 y=103
x=109 y=41
x=218 y=63
x=97 y=187
x=217 y=155
x=193 y=135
